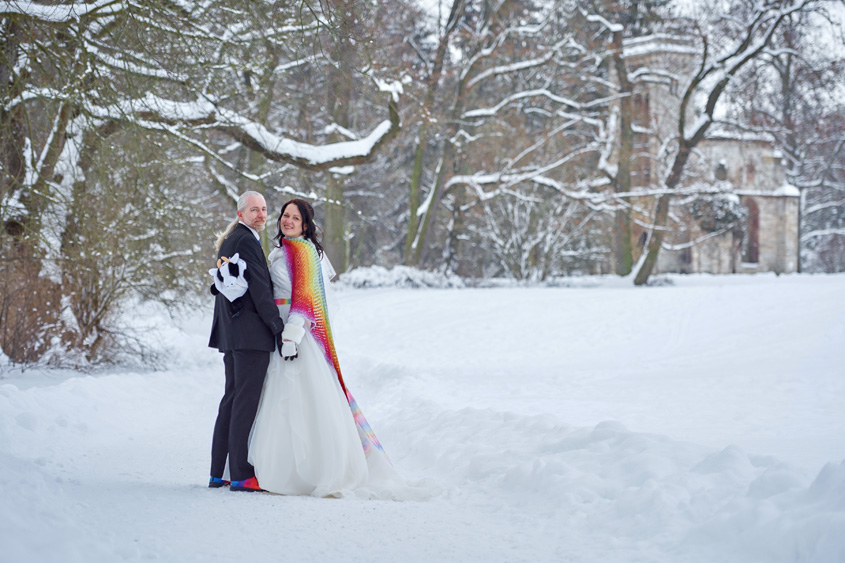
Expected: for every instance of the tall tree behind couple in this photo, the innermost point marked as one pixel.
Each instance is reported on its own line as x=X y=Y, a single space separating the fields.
x=287 y=423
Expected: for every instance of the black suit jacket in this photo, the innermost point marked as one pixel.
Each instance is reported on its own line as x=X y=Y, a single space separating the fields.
x=254 y=323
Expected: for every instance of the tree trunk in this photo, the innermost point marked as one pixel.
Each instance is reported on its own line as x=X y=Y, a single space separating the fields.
x=39 y=192
x=458 y=227
x=447 y=163
x=622 y=249
x=12 y=123
x=411 y=254
x=414 y=195
x=423 y=240
x=339 y=96
x=334 y=232
x=661 y=217
x=658 y=232
x=81 y=283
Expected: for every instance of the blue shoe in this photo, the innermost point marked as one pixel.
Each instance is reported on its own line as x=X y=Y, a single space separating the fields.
x=216 y=483
x=249 y=485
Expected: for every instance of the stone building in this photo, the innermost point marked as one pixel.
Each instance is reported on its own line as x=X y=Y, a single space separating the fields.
x=745 y=172
x=768 y=242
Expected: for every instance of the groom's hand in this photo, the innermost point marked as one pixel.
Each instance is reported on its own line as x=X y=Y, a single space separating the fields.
x=280 y=343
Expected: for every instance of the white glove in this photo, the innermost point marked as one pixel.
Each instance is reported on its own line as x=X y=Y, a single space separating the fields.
x=291 y=337
x=289 y=351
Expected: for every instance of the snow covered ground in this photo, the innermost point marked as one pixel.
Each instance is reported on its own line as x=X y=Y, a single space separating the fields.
x=696 y=422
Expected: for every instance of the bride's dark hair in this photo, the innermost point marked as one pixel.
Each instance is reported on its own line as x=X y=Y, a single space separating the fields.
x=310 y=231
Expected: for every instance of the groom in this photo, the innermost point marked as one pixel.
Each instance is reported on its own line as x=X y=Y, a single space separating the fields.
x=246 y=335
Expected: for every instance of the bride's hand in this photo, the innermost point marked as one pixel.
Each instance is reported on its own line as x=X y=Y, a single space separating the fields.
x=289 y=350
x=292 y=336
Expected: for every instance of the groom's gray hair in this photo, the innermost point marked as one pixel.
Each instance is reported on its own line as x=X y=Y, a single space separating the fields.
x=244 y=196
x=231 y=226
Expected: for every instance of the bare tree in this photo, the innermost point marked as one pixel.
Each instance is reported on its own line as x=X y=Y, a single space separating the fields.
x=157 y=79
x=509 y=118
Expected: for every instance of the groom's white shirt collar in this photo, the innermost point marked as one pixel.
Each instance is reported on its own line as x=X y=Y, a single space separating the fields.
x=257 y=236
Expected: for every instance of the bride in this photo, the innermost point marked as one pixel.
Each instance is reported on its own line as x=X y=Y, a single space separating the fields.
x=309 y=436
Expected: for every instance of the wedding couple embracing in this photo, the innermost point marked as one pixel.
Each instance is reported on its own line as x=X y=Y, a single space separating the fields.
x=287 y=423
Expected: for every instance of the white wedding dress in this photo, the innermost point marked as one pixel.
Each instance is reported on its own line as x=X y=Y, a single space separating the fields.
x=304 y=440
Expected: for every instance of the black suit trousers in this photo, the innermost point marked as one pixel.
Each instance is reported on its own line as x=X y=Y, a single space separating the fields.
x=245 y=371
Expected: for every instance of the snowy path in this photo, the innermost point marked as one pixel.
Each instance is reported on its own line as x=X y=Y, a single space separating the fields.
x=675 y=424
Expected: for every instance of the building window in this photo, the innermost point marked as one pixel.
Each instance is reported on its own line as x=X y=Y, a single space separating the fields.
x=751 y=241
x=750 y=174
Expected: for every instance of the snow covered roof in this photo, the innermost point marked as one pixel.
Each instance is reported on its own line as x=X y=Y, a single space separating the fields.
x=788 y=190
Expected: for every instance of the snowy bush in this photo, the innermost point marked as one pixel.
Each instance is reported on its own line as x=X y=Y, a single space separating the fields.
x=398 y=276
x=718 y=212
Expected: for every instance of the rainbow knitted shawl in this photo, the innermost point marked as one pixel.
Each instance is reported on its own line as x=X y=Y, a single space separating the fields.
x=308 y=298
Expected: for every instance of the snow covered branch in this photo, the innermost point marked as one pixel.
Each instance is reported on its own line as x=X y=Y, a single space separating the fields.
x=489 y=112
x=612 y=27
x=827 y=205
x=59 y=14
x=204 y=114
x=757 y=38
x=690 y=244
x=498 y=41
x=515 y=67
x=513 y=178
x=542 y=92
x=122 y=63
x=822 y=233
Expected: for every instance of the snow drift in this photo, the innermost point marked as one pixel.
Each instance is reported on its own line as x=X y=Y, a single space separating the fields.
x=695 y=422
